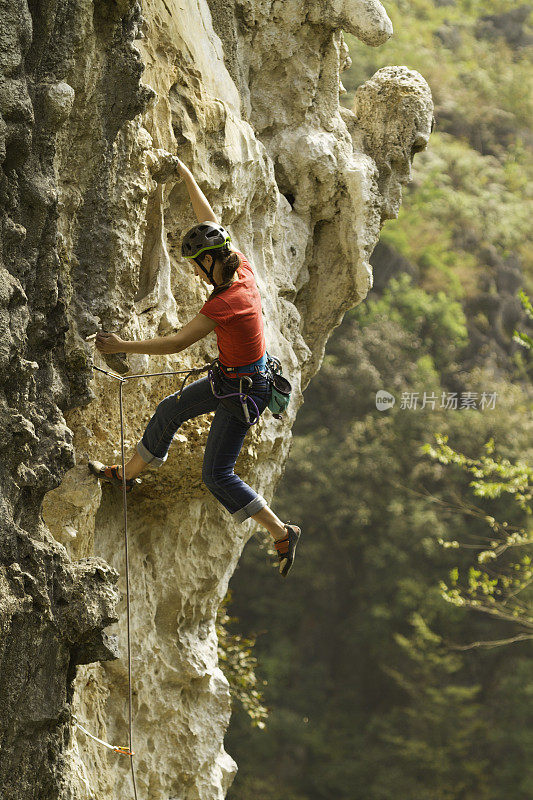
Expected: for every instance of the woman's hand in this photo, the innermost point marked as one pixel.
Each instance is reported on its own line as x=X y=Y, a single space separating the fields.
x=109 y=343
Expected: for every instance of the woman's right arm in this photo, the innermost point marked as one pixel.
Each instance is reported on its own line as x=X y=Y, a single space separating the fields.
x=194 y=330
x=202 y=209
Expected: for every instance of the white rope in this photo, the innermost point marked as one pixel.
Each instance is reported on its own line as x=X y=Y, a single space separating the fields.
x=124 y=750
x=128 y=751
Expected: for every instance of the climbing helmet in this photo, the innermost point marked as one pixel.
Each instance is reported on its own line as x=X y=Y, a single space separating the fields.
x=205 y=236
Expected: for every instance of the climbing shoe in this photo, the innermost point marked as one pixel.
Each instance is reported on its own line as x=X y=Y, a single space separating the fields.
x=286 y=548
x=111 y=474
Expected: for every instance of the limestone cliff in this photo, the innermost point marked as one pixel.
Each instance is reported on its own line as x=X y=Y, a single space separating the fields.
x=94 y=96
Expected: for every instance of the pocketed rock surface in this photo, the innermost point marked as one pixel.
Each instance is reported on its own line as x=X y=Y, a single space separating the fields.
x=96 y=99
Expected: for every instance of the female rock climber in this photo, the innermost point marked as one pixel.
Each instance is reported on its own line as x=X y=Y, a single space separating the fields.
x=233 y=311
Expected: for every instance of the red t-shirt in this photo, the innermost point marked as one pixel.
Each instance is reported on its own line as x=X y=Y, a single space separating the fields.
x=237 y=310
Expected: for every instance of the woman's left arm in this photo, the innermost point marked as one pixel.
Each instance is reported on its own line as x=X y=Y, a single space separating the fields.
x=194 y=330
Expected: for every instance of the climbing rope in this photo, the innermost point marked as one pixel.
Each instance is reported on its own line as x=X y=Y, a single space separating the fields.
x=128 y=751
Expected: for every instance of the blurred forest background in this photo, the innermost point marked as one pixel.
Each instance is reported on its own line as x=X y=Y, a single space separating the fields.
x=394 y=663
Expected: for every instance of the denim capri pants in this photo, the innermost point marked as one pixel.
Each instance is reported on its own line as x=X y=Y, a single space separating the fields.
x=224 y=443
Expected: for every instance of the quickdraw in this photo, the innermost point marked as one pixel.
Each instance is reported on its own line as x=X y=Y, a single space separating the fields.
x=125 y=751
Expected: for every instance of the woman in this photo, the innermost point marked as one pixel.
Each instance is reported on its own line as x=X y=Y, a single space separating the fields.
x=233 y=311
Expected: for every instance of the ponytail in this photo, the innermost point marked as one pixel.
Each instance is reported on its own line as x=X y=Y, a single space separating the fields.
x=230 y=261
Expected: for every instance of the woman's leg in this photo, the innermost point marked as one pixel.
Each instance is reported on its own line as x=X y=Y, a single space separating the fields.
x=271 y=522
x=133 y=467
x=224 y=444
x=197 y=398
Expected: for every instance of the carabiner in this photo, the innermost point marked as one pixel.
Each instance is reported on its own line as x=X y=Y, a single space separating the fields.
x=242 y=397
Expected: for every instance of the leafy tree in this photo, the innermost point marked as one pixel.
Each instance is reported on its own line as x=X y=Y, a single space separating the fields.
x=494 y=585
x=438 y=740
x=239 y=664
x=372 y=507
x=370 y=695
x=521 y=336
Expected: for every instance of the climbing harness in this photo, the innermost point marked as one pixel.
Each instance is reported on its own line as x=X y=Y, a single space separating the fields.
x=215 y=379
x=279 y=386
x=128 y=751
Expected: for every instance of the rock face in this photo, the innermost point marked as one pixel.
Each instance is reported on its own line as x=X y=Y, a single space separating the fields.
x=93 y=98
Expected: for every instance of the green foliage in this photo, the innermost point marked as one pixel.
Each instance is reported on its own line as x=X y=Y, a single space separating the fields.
x=472 y=186
x=362 y=689
x=477 y=80
x=374 y=688
x=459 y=204
x=434 y=319
x=437 y=733
x=520 y=336
x=239 y=664
x=503 y=588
